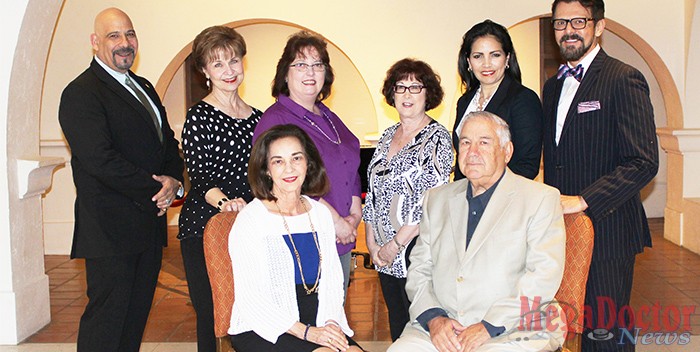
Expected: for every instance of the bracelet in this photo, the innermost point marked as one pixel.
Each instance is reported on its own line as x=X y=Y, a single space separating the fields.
x=221 y=202
x=306 y=331
x=401 y=247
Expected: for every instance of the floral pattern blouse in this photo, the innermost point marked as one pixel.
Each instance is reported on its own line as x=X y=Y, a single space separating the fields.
x=396 y=185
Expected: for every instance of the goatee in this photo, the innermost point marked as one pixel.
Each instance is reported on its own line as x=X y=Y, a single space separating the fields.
x=570 y=52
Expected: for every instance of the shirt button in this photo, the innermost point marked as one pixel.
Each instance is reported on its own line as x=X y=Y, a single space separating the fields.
x=460 y=279
x=474 y=213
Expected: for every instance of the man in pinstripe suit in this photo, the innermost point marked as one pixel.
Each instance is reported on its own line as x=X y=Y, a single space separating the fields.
x=600 y=150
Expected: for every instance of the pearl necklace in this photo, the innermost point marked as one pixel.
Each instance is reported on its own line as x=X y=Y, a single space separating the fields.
x=324 y=133
x=481 y=106
x=308 y=290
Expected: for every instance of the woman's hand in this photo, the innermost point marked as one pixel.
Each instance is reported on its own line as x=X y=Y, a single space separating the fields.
x=236 y=204
x=344 y=232
x=388 y=252
x=330 y=335
x=372 y=246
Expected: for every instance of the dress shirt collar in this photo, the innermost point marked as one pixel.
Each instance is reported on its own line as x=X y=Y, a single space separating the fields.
x=587 y=60
x=486 y=196
x=120 y=77
x=299 y=110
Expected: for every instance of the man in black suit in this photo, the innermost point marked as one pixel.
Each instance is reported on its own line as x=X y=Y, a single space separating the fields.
x=600 y=150
x=127 y=171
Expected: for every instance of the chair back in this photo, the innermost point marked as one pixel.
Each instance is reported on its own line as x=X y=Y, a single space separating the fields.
x=219 y=268
x=579 y=249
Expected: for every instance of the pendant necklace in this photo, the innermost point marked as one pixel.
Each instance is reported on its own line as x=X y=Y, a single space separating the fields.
x=336 y=142
x=308 y=290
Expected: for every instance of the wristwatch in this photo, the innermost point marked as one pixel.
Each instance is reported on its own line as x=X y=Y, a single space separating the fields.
x=401 y=247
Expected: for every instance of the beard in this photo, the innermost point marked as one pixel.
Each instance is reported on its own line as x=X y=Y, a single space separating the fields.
x=125 y=58
x=570 y=52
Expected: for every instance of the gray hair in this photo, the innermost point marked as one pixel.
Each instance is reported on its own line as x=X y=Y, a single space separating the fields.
x=502 y=129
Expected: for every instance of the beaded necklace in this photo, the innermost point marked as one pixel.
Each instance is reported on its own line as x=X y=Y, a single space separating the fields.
x=308 y=290
x=324 y=133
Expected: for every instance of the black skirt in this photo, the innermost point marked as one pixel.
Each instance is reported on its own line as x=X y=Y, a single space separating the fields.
x=249 y=341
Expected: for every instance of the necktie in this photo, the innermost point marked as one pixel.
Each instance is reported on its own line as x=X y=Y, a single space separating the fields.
x=146 y=104
x=575 y=72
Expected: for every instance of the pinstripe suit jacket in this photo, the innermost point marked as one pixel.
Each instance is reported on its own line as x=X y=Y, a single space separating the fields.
x=607 y=155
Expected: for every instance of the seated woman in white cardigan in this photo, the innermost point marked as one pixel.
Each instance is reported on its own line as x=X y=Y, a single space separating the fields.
x=288 y=278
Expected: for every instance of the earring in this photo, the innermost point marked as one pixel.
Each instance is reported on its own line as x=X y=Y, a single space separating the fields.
x=507 y=66
x=469 y=69
x=208 y=83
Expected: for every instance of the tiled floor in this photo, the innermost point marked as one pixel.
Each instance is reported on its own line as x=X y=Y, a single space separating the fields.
x=665 y=274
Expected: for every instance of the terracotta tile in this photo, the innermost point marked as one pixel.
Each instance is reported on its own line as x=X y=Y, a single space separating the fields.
x=665 y=273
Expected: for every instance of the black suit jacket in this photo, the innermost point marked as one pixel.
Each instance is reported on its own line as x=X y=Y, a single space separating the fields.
x=520 y=107
x=607 y=155
x=115 y=151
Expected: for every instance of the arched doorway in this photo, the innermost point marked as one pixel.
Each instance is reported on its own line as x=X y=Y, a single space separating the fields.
x=622 y=43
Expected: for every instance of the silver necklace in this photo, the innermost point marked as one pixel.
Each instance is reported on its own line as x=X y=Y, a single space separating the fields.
x=324 y=133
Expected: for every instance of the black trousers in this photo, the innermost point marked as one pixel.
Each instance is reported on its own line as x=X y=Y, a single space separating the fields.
x=192 y=250
x=397 y=303
x=608 y=290
x=120 y=292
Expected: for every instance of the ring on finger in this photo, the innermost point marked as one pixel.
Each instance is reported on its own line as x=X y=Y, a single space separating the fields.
x=330 y=340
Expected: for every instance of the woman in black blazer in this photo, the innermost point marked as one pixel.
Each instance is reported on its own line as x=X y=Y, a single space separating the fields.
x=490 y=72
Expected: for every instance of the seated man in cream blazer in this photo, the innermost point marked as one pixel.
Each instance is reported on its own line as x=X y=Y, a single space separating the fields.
x=490 y=255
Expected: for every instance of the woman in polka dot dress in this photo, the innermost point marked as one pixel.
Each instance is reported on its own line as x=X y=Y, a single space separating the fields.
x=216 y=140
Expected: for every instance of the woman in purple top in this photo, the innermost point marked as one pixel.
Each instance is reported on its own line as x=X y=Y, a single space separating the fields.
x=303 y=79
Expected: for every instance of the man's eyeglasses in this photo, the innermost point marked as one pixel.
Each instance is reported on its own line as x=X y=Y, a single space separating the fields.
x=560 y=24
x=303 y=66
x=411 y=89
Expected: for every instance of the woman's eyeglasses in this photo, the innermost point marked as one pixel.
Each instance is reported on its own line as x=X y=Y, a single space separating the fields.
x=399 y=89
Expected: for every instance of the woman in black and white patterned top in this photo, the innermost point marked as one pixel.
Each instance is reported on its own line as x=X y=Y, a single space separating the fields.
x=216 y=140
x=411 y=157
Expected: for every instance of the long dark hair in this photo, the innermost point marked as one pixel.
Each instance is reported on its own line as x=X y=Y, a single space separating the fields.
x=479 y=30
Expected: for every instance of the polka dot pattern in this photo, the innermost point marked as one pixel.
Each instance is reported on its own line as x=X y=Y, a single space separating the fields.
x=217 y=148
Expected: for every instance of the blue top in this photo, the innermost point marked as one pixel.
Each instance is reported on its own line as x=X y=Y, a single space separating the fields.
x=308 y=253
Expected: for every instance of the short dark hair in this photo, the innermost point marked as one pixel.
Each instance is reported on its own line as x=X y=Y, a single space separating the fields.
x=421 y=72
x=315 y=184
x=500 y=33
x=210 y=41
x=295 y=46
x=597 y=7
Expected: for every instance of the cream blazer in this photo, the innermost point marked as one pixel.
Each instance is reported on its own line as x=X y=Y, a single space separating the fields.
x=517 y=250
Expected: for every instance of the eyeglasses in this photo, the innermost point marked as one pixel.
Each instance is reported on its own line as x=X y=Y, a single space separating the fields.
x=303 y=67
x=560 y=24
x=411 y=89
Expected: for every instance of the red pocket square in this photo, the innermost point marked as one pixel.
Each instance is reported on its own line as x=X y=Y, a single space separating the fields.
x=586 y=106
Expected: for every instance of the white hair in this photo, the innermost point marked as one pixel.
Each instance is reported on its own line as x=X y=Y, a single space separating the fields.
x=502 y=129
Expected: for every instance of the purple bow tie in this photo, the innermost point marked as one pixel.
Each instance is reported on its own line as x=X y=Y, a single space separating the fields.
x=565 y=71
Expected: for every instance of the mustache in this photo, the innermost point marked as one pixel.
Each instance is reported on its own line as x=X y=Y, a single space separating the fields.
x=566 y=37
x=124 y=51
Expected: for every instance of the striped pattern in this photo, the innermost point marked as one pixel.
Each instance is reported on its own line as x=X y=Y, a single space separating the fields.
x=606 y=155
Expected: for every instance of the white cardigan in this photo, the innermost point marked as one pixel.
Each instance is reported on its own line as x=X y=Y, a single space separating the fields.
x=263 y=270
